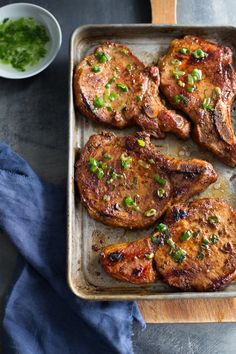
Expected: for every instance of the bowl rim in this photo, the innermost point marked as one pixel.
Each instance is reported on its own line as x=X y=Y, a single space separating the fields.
x=6 y=74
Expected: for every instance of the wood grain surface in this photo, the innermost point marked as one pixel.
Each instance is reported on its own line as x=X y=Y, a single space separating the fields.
x=191 y=310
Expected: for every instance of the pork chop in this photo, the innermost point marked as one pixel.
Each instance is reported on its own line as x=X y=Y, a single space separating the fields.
x=131 y=262
x=200 y=251
x=126 y=182
x=114 y=87
x=198 y=78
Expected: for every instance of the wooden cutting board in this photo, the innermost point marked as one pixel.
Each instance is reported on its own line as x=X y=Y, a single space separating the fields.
x=191 y=310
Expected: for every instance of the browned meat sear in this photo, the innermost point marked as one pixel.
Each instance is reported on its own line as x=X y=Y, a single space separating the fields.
x=204 y=242
x=132 y=262
x=114 y=87
x=198 y=78
x=126 y=182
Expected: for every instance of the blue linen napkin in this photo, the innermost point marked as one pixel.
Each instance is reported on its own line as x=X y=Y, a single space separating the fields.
x=41 y=313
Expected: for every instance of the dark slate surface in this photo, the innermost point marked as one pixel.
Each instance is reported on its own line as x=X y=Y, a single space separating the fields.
x=33 y=121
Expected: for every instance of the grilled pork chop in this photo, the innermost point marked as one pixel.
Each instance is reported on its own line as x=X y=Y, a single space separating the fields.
x=126 y=182
x=198 y=78
x=113 y=86
x=202 y=251
x=194 y=249
x=132 y=262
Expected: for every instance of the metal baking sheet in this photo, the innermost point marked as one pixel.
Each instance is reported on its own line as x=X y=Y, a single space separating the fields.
x=86 y=236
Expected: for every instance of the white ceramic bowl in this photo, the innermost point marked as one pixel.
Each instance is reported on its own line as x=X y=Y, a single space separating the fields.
x=45 y=18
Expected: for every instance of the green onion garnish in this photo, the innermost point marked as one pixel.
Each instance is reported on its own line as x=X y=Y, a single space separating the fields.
x=179 y=98
x=102 y=57
x=93 y=165
x=160 y=180
x=206 y=104
x=186 y=235
x=107 y=157
x=181 y=83
x=214 y=239
x=113 y=96
x=191 y=89
x=196 y=74
x=125 y=161
x=96 y=69
x=179 y=255
x=149 y=256
x=171 y=243
x=99 y=173
x=98 y=102
x=141 y=142
x=150 y=212
x=213 y=220
x=161 y=227
x=160 y=193
x=199 y=54
x=177 y=73
x=138 y=98
x=183 y=50
x=175 y=62
x=122 y=86
x=129 y=202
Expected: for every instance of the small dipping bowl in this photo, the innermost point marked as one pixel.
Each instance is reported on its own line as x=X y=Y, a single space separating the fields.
x=43 y=17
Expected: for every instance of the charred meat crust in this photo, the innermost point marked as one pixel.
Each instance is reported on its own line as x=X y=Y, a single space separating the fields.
x=212 y=124
x=137 y=103
x=105 y=198
x=131 y=262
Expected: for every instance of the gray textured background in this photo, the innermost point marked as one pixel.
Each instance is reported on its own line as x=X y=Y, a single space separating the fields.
x=33 y=120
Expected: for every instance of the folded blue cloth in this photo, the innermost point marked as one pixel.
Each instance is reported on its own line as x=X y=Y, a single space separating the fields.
x=41 y=313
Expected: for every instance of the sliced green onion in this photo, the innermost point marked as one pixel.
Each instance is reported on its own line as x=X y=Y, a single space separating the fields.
x=96 y=69
x=161 y=227
x=196 y=74
x=107 y=156
x=98 y=102
x=190 y=79
x=216 y=92
x=199 y=54
x=129 y=202
x=141 y=142
x=117 y=68
x=126 y=161
x=102 y=57
x=93 y=164
x=177 y=73
x=191 y=89
x=160 y=193
x=113 y=96
x=181 y=83
x=213 y=220
x=151 y=161
x=108 y=84
x=160 y=180
x=179 y=255
x=109 y=109
x=183 y=50
x=138 y=98
x=149 y=256
x=175 y=62
x=171 y=243
x=214 y=239
x=124 y=51
x=186 y=235
x=150 y=212
x=205 y=243
x=181 y=97
x=122 y=86
x=99 y=173
x=143 y=164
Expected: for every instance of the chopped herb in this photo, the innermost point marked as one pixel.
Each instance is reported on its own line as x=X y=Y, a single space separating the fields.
x=200 y=255
x=179 y=98
x=122 y=86
x=216 y=92
x=98 y=102
x=113 y=176
x=177 y=73
x=124 y=51
x=106 y=198
x=214 y=239
x=213 y=220
x=190 y=79
x=102 y=57
x=93 y=165
x=192 y=88
x=113 y=96
x=138 y=98
x=117 y=68
x=196 y=233
x=157 y=239
x=149 y=256
x=141 y=142
x=96 y=69
x=99 y=173
x=160 y=180
x=186 y=235
x=150 y=212
x=171 y=243
x=199 y=54
x=107 y=156
x=129 y=202
x=183 y=50
x=160 y=193
x=129 y=67
x=175 y=62
x=179 y=255
x=109 y=109
x=161 y=227
x=103 y=165
x=143 y=164
x=196 y=74
x=108 y=84
x=181 y=83
x=205 y=243
x=126 y=161
x=151 y=161
x=206 y=104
